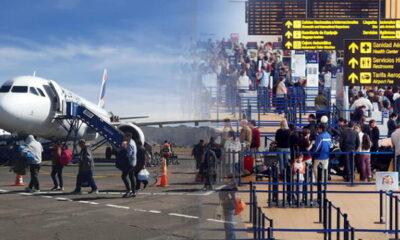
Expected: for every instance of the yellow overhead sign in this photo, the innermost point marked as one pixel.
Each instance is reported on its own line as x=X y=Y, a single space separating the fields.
x=328 y=34
x=372 y=62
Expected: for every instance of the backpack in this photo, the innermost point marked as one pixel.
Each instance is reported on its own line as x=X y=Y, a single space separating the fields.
x=66 y=157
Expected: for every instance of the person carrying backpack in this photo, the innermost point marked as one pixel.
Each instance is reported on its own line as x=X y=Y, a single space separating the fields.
x=34 y=149
x=57 y=167
x=61 y=157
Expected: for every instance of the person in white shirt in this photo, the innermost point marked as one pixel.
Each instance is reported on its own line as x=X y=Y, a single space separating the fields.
x=243 y=82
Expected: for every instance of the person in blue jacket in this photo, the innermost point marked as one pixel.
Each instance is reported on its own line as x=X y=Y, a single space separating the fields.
x=322 y=147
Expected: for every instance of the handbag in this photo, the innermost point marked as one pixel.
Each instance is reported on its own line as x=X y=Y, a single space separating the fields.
x=239 y=206
x=143 y=175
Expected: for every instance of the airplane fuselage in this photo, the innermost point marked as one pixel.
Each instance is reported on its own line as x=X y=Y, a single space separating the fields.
x=29 y=105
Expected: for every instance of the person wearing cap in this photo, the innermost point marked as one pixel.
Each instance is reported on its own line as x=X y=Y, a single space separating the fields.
x=86 y=169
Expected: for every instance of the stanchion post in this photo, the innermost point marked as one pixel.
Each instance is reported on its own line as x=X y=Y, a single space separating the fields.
x=390 y=211
x=275 y=187
x=271 y=232
x=381 y=221
x=352 y=233
x=396 y=218
x=263 y=226
x=325 y=217
x=283 y=188
x=298 y=188
x=352 y=168
x=259 y=220
x=251 y=201
x=338 y=223
x=329 y=220
x=305 y=187
x=269 y=200
x=310 y=179
x=345 y=227
x=290 y=186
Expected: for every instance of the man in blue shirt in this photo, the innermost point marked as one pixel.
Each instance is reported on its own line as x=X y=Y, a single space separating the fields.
x=322 y=147
x=128 y=174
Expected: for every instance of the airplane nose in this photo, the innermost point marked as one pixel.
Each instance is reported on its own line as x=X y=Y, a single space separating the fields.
x=11 y=114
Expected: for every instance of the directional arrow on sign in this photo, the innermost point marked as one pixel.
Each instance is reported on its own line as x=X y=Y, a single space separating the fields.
x=288 y=45
x=288 y=34
x=288 y=24
x=353 y=47
x=353 y=77
x=353 y=62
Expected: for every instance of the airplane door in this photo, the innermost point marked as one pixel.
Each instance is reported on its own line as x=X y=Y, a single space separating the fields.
x=58 y=99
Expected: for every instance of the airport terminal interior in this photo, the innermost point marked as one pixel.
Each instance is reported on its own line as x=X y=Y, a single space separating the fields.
x=285 y=121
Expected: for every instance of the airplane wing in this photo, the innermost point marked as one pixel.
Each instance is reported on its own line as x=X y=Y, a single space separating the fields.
x=136 y=117
x=162 y=123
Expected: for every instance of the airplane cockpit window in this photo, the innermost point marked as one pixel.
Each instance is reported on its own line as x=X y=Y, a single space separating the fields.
x=41 y=92
x=33 y=91
x=19 y=89
x=5 y=89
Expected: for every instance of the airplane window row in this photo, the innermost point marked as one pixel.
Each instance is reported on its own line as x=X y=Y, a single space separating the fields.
x=22 y=89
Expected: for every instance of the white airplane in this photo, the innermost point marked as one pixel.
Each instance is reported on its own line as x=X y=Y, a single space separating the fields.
x=31 y=104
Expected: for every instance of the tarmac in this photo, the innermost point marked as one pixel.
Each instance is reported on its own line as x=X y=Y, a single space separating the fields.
x=179 y=211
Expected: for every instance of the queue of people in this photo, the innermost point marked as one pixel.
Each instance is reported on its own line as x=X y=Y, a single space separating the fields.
x=131 y=160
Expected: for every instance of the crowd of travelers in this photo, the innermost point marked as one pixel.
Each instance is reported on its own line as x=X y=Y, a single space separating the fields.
x=131 y=160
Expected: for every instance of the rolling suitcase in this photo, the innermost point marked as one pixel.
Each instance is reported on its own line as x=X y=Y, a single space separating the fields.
x=248 y=164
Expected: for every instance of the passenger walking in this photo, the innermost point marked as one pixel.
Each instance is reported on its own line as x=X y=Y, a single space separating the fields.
x=198 y=152
x=57 y=167
x=349 y=142
x=209 y=166
x=35 y=149
x=86 y=169
x=140 y=165
x=282 y=137
x=365 y=159
x=323 y=145
x=131 y=152
x=374 y=137
x=122 y=163
x=227 y=198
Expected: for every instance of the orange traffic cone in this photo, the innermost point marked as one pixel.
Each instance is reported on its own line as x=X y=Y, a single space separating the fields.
x=19 y=180
x=163 y=178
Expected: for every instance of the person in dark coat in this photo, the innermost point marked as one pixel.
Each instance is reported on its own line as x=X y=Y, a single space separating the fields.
x=374 y=136
x=391 y=124
x=349 y=142
x=198 y=152
x=122 y=163
x=141 y=164
x=282 y=138
x=312 y=126
x=209 y=168
x=86 y=169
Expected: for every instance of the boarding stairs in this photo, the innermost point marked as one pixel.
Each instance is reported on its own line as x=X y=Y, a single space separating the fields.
x=78 y=112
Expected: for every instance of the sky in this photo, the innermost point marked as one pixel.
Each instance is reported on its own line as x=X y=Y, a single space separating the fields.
x=139 y=42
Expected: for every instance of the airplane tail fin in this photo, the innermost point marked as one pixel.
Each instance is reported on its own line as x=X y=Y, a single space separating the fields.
x=102 y=97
